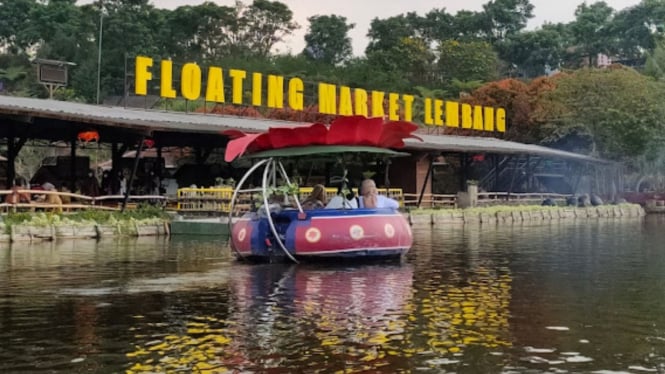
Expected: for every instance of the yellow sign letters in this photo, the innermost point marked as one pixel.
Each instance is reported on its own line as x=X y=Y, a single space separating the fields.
x=270 y=91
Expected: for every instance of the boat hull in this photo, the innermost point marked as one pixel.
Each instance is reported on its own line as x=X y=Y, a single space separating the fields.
x=323 y=234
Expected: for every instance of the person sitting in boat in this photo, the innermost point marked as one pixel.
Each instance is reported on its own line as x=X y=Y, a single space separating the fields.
x=274 y=205
x=316 y=199
x=345 y=199
x=370 y=197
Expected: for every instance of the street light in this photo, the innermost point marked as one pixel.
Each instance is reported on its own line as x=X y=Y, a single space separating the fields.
x=99 y=48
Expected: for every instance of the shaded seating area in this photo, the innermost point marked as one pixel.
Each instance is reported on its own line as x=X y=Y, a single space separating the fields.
x=124 y=130
x=28 y=200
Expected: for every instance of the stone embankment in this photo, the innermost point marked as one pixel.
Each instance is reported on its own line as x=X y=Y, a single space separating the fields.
x=19 y=232
x=521 y=214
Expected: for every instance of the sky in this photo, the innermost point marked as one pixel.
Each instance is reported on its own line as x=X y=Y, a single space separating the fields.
x=361 y=13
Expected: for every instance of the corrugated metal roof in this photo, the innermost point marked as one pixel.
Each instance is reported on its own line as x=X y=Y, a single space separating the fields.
x=491 y=145
x=178 y=122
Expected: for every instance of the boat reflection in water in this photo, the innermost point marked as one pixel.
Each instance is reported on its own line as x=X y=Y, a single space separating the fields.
x=313 y=318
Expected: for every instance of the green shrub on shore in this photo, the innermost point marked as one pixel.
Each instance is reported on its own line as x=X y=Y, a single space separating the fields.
x=144 y=215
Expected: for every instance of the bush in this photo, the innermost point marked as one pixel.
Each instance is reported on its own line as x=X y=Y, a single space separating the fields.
x=147 y=214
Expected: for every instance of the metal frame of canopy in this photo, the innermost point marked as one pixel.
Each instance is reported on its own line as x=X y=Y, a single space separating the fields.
x=323 y=149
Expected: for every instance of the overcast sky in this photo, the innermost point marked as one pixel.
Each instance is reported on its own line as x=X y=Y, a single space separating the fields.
x=361 y=12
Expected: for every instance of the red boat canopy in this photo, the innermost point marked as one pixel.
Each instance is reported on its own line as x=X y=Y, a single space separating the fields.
x=350 y=130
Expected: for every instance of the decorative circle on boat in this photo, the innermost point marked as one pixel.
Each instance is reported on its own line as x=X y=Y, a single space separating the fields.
x=356 y=232
x=389 y=230
x=241 y=234
x=313 y=235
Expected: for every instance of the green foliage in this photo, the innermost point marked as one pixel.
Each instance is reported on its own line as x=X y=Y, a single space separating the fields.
x=503 y=18
x=16 y=74
x=265 y=23
x=655 y=64
x=636 y=29
x=17 y=218
x=327 y=39
x=67 y=94
x=618 y=110
x=145 y=214
x=440 y=52
x=144 y=211
x=385 y=34
x=458 y=87
x=15 y=21
x=283 y=190
x=467 y=61
x=591 y=30
x=533 y=53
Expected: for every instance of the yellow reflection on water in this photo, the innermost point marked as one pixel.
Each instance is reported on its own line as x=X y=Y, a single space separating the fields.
x=348 y=319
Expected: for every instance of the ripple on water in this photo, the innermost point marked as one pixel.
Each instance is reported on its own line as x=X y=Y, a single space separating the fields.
x=504 y=297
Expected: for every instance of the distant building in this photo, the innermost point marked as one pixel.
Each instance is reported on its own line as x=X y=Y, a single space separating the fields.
x=603 y=60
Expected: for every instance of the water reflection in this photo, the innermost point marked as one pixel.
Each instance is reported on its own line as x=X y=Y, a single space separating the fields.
x=565 y=296
x=337 y=318
x=292 y=316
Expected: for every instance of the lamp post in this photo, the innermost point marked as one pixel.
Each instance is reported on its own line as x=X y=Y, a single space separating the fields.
x=99 y=48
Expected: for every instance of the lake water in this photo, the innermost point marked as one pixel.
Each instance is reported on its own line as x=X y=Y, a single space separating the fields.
x=585 y=296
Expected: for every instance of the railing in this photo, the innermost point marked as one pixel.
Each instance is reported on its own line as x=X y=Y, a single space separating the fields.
x=430 y=200
x=488 y=198
x=217 y=200
x=68 y=201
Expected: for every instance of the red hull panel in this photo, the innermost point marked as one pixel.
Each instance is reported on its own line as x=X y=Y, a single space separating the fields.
x=326 y=235
x=241 y=235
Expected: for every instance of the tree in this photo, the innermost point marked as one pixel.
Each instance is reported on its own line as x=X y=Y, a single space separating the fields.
x=466 y=61
x=14 y=21
x=327 y=39
x=197 y=32
x=591 y=30
x=11 y=76
x=512 y=95
x=365 y=73
x=130 y=27
x=386 y=34
x=437 y=25
x=655 y=64
x=636 y=29
x=618 y=111
x=56 y=26
x=534 y=53
x=267 y=23
x=400 y=46
x=503 y=18
x=468 y=26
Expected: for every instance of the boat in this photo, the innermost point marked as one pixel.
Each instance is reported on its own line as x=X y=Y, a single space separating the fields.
x=277 y=228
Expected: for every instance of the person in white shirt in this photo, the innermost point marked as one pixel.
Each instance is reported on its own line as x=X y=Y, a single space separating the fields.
x=370 y=197
x=343 y=200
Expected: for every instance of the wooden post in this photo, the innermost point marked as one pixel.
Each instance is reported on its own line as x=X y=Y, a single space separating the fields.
x=11 y=158
x=72 y=166
x=131 y=177
x=427 y=176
